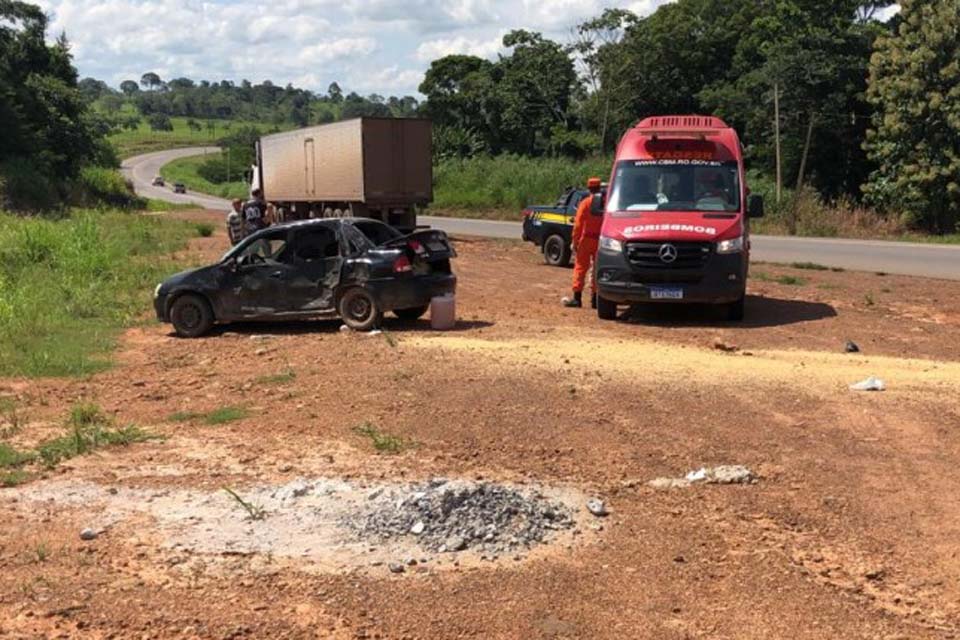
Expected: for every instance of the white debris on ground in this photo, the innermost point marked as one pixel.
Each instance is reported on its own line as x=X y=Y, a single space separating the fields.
x=328 y=524
x=870 y=384
x=724 y=474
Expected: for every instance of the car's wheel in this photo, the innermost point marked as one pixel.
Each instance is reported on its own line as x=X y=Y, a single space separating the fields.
x=409 y=315
x=359 y=310
x=735 y=310
x=606 y=309
x=556 y=251
x=191 y=316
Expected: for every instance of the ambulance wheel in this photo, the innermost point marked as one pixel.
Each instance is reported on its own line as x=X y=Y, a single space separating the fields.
x=556 y=251
x=735 y=310
x=606 y=309
x=359 y=310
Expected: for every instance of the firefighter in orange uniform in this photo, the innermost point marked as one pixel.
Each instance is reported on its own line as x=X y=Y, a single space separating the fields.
x=586 y=241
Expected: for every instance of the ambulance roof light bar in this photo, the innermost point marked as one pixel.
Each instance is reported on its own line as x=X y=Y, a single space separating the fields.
x=684 y=134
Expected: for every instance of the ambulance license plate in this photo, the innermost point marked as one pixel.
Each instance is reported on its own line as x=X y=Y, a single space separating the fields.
x=666 y=293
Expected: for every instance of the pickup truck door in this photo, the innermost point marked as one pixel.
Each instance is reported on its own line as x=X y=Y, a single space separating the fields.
x=576 y=197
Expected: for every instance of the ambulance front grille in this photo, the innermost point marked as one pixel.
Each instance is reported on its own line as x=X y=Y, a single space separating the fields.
x=657 y=255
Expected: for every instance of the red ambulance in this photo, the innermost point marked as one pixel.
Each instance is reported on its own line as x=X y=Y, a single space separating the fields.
x=676 y=219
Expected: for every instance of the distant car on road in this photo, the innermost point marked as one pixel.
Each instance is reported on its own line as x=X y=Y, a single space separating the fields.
x=179 y=187
x=356 y=268
x=159 y=181
x=551 y=227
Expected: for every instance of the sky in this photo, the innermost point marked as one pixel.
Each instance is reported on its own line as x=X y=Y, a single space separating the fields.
x=367 y=46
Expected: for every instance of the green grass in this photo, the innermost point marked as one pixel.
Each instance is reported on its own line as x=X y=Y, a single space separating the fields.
x=224 y=415
x=88 y=429
x=508 y=183
x=10 y=457
x=145 y=140
x=382 y=442
x=762 y=276
x=185 y=170
x=13 y=478
x=254 y=511
x=69 y=286
x=158 y=206
x=284 y=377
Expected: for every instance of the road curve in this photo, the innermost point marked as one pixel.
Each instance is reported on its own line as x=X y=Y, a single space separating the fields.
x=904 y=258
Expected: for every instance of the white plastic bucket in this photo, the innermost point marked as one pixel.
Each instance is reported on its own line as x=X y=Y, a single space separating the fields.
x=443 y=312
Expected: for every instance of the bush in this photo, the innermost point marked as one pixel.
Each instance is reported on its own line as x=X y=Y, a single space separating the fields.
x=816 y=218
x=24 y=187
x=102 y=186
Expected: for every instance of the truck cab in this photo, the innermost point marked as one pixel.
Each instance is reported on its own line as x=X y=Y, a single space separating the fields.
x=677 y=218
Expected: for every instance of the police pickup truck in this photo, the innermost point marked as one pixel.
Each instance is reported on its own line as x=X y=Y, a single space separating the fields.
x=551 y=227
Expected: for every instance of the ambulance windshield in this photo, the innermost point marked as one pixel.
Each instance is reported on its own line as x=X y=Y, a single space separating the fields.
x=674 y=185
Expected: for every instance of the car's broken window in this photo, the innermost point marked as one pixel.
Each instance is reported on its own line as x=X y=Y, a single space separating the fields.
x=377 y=232
x=269 y=248
x=316 y=244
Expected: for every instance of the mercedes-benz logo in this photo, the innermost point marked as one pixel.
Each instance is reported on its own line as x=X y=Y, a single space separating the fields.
x=668 y=254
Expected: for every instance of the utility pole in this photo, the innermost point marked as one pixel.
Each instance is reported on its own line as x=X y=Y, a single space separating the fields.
x=776 y=129
x=228 y=164
x=806 y=151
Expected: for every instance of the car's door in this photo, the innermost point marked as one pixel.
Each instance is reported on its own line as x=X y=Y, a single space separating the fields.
x=316 y=254
x=261 y=281
x=575 y=199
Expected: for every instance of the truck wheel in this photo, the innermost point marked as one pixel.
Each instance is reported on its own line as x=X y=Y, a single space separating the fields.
x=606 y=309
x=556 y=251
x=410 y=315
x=191 y=316
x=735 y=310
x=359 y=310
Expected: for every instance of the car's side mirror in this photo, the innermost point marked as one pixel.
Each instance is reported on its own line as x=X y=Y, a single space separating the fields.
x=755 y=206
x=598 y=204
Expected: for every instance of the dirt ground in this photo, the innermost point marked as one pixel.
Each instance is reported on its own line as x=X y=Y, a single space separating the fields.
x=852 y=529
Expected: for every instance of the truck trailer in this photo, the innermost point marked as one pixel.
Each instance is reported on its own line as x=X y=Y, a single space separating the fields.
x=380 y=168
x=676 y=224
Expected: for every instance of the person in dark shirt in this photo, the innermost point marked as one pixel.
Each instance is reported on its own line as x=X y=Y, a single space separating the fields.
x=255 y=213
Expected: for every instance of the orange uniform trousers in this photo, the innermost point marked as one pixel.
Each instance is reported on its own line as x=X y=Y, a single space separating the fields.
x=583 y=264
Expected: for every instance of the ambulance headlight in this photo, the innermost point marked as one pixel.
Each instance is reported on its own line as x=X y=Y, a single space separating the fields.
x=610 y=244
x=730 y=246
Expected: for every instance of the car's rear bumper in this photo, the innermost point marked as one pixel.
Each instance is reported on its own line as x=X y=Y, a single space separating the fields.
x=413 y=292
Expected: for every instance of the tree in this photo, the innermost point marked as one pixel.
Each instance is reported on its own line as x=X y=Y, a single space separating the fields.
x=92 y=89
x=335 y=93
x=151 y=81
x=915 y=138
x=129 y=87
x=48 y=133
x=461 y=93
x=160 y=122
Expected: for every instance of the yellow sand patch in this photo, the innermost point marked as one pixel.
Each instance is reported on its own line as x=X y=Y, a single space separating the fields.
x=653 y=362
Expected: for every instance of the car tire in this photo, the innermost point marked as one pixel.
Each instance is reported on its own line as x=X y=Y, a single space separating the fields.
x=736 y=310
x=556 y=251
x=360 y=310
x=191 y=316
x=411 y=315
x=606 y=309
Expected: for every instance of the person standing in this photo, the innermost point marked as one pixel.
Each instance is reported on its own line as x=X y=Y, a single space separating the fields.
x=586 y=242
x=255 y=213
x=235 y=222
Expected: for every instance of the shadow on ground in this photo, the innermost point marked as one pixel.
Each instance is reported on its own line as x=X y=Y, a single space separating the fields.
x=761 y=312
x=328 y=326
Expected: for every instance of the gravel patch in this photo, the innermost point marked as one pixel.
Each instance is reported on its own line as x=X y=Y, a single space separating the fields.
x=447 y=516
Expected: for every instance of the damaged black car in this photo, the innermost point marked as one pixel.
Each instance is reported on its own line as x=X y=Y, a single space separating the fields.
x=356 y=268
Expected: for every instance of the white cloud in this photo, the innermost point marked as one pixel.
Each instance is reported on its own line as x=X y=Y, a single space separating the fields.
x=381 y=46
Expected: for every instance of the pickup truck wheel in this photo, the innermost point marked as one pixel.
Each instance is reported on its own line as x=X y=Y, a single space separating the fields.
x=556 y=251
x=360 y=310
x=409 y=315
x=735 y=310
x=191 y=316
x=606 y=309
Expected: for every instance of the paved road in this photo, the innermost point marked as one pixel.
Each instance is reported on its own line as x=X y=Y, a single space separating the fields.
x=929 y=260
